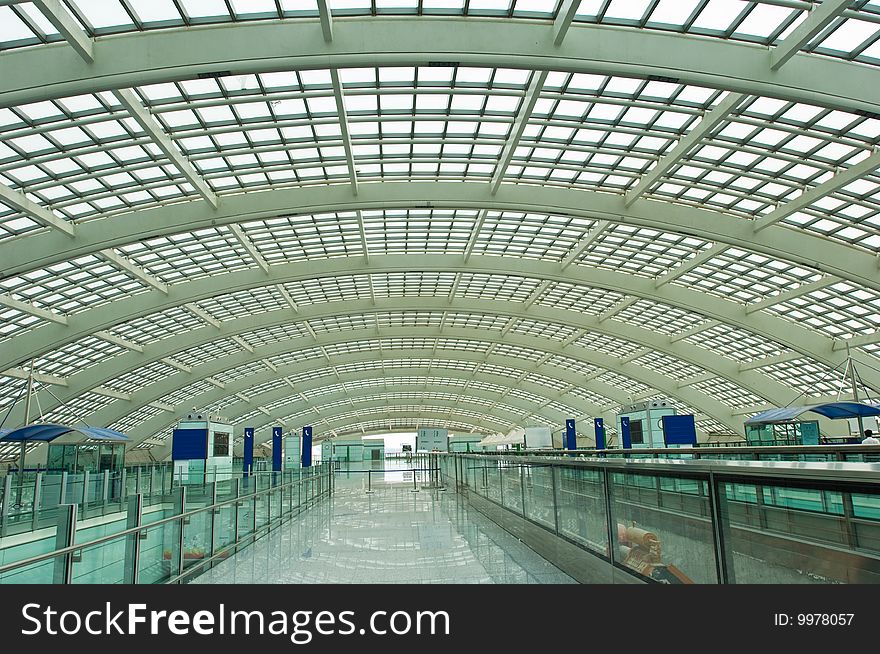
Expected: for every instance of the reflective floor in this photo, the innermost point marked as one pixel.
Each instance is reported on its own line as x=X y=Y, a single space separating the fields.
x=391 y=535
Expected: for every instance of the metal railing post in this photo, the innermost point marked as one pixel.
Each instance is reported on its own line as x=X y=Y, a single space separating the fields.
x=369 y=481
x=214 y=513
x=65 y=536
x=134 y=518
x=85 y=493
x=177 y=549
x=62 y=492
x=35 y=505
x=554 y=473
x=105 y=495
x=7 y=502
x=720 y=532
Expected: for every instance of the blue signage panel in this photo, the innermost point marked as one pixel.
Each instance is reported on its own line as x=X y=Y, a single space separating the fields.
x=679 y=430
x=570 y=435
x=276 y=449
x=187 y=444
x=624 y=433
x=248 y=458
x=599 y=427
x=307 y=447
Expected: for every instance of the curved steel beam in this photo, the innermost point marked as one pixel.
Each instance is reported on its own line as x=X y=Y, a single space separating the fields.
x=128 y=361
x=392 y=410
x=439 y=369
x=42 y=340
x=20 y=255
x=662 y=384
x=49 y=71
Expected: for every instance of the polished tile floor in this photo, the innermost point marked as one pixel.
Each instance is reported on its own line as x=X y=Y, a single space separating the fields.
x=391 y=535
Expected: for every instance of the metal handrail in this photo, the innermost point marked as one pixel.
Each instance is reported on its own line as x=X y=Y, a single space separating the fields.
x=778 y=471
x=136 y=530
x=707 y=451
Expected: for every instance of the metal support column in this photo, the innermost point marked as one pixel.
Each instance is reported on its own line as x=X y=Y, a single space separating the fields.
x=134 y=518
x=38 y=499
x=555 y=484
x=65 y=536
x=724 y=565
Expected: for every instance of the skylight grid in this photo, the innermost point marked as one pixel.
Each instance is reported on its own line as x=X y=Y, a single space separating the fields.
x=607 y=344
x=290 y=358
x=853 y=36
x=737 y=344
x=183 y=396
x=496 y=287
x=409 y=284
x=244 y=303
x=171 y=321
x=751 y=21
x=584 y=299
x=73 y=286
x=322 y=290
x=841 y=310
x=77 y=356
x=415 y=231
x=543 y=330
x=236 y=374
x=529 y=235
x=746 y=277
x=575 y=366
x=141 y=377
x=806 y=376
x=288 y=239
x=289 y=331
x=14 y=322
x=850 y=215
x=137 y=418
x=206 y=352
x=727 y=392
x=76 y=409
x=408 y=319
x=476 y=321
x=659 y=317
x=640 y=251
x=626 y=384
x=668 y=365
x=590 y=396
x=190 y=255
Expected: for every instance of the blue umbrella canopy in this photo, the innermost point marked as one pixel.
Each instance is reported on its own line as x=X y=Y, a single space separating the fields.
x=833 y=410
x=50 y=432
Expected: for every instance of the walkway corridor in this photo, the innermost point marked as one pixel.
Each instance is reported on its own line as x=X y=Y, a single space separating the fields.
x=390 y=536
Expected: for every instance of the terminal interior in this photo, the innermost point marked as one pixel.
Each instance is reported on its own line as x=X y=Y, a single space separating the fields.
x=439 y=291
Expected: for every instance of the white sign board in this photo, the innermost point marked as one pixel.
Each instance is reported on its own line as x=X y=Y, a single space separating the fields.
x=292 y=453
x=538 y=438
x=432 y=440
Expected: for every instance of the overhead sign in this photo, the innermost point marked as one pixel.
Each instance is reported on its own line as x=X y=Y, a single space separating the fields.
x=432 y=440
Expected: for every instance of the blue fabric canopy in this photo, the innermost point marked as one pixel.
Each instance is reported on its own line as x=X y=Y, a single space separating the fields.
x=51 y=432
x=833 y=410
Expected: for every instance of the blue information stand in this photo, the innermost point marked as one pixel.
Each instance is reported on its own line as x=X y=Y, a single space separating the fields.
x=570 y=435
x=679 y=430
x=624 y=433
x=307 y=447
x=276 y=449
x=599 y=427
x=248 y=462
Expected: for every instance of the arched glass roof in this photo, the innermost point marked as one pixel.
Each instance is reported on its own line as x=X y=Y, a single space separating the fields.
x=375 y=214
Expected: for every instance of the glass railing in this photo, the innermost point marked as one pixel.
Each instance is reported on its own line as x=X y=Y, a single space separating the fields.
x=691 y=521
x=725 y=452
x=183 y=532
